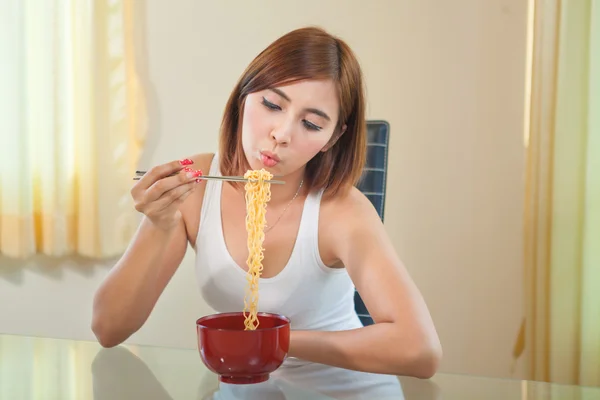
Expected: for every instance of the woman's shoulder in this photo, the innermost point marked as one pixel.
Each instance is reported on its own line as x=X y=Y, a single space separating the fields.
x=341 y=215
x=350 y=204
x=202 y=161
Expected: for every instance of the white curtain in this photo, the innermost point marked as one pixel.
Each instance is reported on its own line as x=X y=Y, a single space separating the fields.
x=561 y=335
x=72 y=127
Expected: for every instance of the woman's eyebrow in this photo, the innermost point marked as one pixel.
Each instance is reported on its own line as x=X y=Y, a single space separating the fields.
x=311 y=110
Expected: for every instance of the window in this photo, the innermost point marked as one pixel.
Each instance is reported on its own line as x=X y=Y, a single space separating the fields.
x=72 y=127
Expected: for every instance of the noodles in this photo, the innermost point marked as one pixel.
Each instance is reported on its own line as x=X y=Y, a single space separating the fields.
x=258 y=193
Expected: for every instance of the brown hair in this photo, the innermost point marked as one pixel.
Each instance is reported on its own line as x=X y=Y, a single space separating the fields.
x=307 y=53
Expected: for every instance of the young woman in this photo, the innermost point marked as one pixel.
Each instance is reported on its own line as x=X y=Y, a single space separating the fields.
x=298 y=111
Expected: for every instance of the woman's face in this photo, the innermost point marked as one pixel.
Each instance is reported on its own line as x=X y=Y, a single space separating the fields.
x=284 y=127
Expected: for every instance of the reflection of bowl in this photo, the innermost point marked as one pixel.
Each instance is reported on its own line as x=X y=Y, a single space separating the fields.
x=268 y=390
x=240 y=356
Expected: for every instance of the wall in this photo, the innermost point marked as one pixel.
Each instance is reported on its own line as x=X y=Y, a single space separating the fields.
x=449 y=78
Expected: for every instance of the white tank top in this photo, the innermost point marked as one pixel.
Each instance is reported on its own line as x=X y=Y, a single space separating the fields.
x=312 y=295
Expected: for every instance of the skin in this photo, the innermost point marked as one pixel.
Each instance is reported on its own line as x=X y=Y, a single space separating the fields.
x=289 y=122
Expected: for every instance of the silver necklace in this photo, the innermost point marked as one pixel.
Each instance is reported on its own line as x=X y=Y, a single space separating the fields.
x=286 y=207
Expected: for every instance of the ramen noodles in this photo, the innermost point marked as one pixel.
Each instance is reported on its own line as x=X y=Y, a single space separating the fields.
x=258 y=194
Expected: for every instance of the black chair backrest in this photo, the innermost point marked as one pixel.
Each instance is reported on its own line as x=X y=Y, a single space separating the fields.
x=373 y=185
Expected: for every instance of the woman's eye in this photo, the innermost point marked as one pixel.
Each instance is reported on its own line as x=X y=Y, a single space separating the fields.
x=307 y=124
x=270 y=105
x=311 y=126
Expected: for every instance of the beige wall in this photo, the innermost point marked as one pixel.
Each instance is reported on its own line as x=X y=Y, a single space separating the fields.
x=449 y=78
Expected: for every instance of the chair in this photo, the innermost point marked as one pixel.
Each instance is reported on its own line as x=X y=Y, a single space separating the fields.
x=373 y=185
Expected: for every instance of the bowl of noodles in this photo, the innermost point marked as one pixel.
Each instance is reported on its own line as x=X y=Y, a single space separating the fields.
x=245 y=347
x=239 y=355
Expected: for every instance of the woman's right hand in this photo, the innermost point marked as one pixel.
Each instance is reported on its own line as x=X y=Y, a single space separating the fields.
x=158 y=195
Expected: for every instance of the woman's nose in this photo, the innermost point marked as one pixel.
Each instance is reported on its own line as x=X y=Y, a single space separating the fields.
x=282 y=134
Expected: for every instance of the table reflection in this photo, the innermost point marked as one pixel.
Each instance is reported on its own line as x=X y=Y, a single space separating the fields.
x=340 y=383
x=117 y=374
x=61 y=369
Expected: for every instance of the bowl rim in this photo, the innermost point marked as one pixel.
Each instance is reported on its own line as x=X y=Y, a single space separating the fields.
x=200 y=321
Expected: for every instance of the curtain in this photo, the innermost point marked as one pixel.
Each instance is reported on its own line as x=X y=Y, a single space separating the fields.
x=72 y=127
x=561 y=335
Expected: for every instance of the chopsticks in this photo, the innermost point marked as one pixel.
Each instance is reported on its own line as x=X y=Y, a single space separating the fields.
x=139 y=174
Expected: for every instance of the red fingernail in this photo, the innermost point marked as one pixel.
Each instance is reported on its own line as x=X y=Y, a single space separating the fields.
x=198 y=180
x=186 y=161
x=188 y=169
x=198 y=173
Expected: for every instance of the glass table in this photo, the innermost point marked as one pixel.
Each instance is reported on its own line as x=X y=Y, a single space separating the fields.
x=48 y=369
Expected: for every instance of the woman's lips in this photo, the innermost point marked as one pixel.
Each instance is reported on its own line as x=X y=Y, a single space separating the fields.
x=269 y=159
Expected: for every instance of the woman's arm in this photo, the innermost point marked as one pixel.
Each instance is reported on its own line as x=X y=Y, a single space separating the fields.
x=403 y=340
x=127 y=295
x=131 y=289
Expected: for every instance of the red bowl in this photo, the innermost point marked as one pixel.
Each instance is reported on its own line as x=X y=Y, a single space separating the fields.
x=240 y=356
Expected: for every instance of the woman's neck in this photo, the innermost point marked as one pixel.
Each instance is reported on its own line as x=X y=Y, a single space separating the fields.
x=282 y=194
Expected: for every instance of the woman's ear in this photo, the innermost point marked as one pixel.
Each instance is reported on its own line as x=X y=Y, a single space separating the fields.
x=336 y=136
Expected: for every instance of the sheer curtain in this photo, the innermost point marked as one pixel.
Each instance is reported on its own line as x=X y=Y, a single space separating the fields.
x=72 y=127
x=561 y=336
